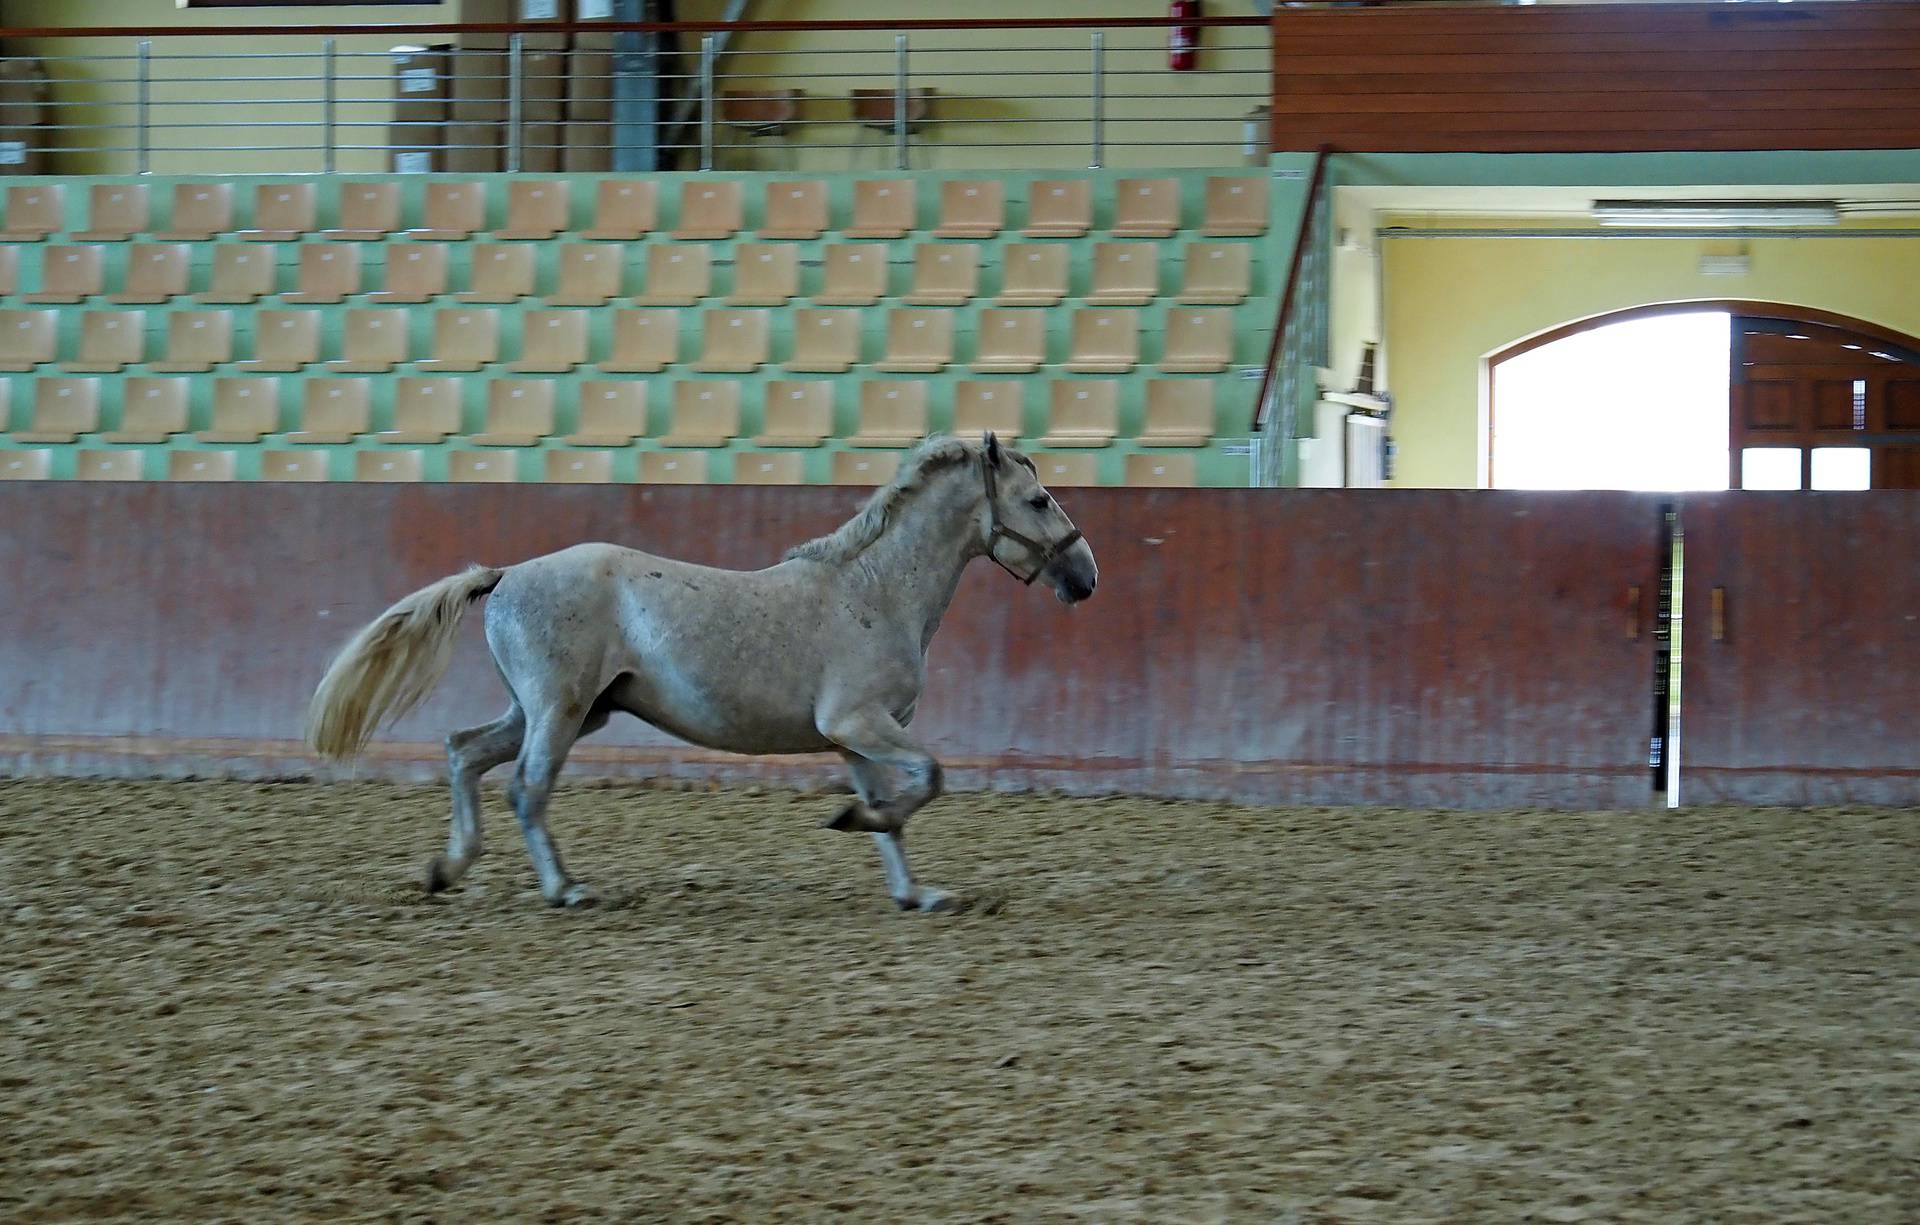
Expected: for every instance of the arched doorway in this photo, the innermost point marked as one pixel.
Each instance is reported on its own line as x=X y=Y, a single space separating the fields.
x=1707 y=395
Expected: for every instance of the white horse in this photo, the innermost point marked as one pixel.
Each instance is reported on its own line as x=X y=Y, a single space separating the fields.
x=825 y=651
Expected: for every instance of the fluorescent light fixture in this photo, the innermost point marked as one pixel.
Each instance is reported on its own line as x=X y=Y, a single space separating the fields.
x=1682 y=213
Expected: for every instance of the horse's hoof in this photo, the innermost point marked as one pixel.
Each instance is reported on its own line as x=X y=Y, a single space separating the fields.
x=437 y=879
x=578 y=897
x=931 y=901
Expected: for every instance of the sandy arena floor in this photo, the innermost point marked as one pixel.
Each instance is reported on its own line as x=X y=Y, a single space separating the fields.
x=224 y=1002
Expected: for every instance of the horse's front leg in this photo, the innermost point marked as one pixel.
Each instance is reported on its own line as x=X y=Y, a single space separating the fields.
x=872 y=740
x=907 y=893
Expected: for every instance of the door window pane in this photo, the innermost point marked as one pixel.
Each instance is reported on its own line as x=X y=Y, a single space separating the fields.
x=1842 y=468
x=1770 y=468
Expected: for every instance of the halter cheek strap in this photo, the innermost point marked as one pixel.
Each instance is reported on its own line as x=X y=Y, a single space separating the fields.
x=998 y=531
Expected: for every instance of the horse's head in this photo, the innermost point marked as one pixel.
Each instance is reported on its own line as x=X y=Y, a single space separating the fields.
x=1026 y=531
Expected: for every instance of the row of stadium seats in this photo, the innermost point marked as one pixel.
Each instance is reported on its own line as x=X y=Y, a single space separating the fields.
x=1098 y=340
x=892 y=413
x=590 y=274
x=625 y=210
x=558 y=467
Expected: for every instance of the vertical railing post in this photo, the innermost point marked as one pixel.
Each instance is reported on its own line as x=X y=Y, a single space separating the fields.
x=1099 y=98
x=326 y=104
x=706 y=102
x=900 y=157
x=516 y=45
x=143 y=81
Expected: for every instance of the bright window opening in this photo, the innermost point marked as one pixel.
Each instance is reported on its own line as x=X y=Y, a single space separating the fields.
x=1770 y=468
x=1640 y=404
x=1842 y=468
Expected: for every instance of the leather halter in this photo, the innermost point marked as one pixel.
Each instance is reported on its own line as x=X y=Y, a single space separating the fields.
x=998 y=531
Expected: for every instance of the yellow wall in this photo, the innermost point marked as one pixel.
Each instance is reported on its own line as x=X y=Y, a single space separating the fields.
x=1450 y=302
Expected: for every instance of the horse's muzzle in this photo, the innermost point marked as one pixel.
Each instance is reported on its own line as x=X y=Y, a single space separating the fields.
x=1074 y=575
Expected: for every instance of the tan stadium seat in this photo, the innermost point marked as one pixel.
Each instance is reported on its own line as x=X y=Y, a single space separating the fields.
x=295 y=465
x=824 y=341
x=536 y=209
x=67 y=275
x=1066 y=471
x=1010 y=342
x=501 y=273
x=981 y=406
x=854 y=274
x=240 y=275
x=589 y=275
x=156 y=273
x=455 y=211
x=202 y=465
x=425 y=411
x=551 y=342
x=644 y=342
x=200 y=211
x=9 y=271
x=579 y=467
x=519 y=413
x=416 y=273
x=483 y=466
x=797 y=413
x=283 y=342
x=244 y=410
x=26 y=465
x=1124 y=274
x=151 y=411
x=1179 y=413
x=685 y=468
x=1082 y=413
x=771 y=468
x=33 y=212
x=611 y=414
x=677 y=276
x=110 y=341
x=705 y=414
x=328 y=274
x=116 y=212
x=918 y=341
x=388 y=466
x=971 y=208
x=28 y=339
x=863 y=468
x=109 y=465
x=893 y=413
x=1104 y=341
x=1165 y=471
x=372 y=342
x=883 y=208
x=1197 y=341
x=1217 y=274
x=945 y=275
x=197 y=341
x=623 y=211
x=734 y=342
x=795 y=210
x=709 y=209
x=1146 y=208
x=333 y=412
x=1236 y=207
x=368 y=212
x=1032 y=275
x=282 y=212
x=63 y=409
x=764 y=275
x=1059 y=208
x=463 y=341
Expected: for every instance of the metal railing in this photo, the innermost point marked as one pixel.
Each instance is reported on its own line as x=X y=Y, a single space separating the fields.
x=1298 y=346
x=635 y=96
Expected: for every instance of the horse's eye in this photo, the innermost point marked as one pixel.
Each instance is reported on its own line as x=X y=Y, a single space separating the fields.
x=1038 y=501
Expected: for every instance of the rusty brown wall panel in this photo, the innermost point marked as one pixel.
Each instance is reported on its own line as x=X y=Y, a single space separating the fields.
x=1406 y=647
x=1809 y=697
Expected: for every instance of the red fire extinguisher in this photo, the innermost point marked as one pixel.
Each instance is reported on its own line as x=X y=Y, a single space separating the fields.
x=1183 y=42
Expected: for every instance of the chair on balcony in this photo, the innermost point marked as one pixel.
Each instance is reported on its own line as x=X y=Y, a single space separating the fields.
x=877 y=115
x=762 y=114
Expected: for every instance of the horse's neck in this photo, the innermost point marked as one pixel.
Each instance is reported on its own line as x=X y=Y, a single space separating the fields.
x=914 y=568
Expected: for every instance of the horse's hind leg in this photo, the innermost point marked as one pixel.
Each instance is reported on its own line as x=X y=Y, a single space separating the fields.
x=549 y=737
x=907 y=893
x=471 y=752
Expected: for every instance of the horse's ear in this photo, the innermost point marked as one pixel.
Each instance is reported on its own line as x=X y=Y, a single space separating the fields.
x=993 y=449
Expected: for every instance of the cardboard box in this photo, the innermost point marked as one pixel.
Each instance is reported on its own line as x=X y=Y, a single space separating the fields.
x=589 y=147
x=477 y=147
x=422 y=84
x=479 y=85
x=23 y=92
x=543 y=109
x=590 y=85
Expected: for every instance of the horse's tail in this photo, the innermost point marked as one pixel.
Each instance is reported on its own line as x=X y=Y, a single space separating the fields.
x=393 y=663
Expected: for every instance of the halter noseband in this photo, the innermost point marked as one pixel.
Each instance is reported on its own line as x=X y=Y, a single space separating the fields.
x=998 y=531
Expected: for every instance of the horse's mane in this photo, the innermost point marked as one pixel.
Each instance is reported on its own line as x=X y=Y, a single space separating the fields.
x=857 y=534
